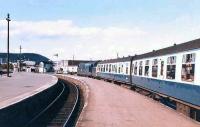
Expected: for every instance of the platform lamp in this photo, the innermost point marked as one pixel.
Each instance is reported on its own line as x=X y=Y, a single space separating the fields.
x=8 y=52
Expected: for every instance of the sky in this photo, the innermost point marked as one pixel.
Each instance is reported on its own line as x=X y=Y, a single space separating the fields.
x=97 y=29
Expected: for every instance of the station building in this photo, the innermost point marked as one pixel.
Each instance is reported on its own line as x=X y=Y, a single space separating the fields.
x=68 y=66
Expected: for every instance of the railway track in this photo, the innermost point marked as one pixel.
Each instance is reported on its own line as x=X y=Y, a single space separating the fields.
x=62 y=111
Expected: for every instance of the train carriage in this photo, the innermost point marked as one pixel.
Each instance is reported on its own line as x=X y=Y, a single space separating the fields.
x=87 y=69
x=171 y=71
x=172 y=74
x=115 y=69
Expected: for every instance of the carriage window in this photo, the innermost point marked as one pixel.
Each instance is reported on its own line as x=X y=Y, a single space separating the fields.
x=110 y=68
x=126 y=68
x=162 y=68
x=135 y=69
x=140 y=68
x=171 y=67
x=188 y=67
x=122 y=69
x=155 y=68
x=119 y=70
x=115 y=68
x=132 y=68
x=146 y=73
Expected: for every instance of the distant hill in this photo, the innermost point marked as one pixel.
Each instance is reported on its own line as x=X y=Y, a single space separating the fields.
x=24 y=56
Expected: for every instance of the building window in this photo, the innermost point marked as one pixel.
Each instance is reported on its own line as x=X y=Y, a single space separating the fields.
x=135 y=69
x=146 y=73
x=140 y=68
x=171 y=67
x=188 y=67
x=155 y=68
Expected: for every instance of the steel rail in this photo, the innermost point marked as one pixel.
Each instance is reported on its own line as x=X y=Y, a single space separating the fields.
x=42 y=112
x=75 y=104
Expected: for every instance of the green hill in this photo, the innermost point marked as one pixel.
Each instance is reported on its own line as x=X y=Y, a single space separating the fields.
x=24 y=56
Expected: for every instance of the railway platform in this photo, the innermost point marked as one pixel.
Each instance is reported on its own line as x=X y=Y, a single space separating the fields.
x=109 y=105
x=23 y=85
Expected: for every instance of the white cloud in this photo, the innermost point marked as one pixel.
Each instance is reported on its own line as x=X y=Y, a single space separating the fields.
x=66 y=38
x=70 y=38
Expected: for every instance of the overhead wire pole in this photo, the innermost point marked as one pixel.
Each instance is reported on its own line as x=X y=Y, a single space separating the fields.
x=117 y=55
x=73 y=60
x=20 y=51
x=8 y=46
x=73 y=64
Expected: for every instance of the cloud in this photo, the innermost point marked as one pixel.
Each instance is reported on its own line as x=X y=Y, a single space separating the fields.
x=71 y=38
x=94 y=42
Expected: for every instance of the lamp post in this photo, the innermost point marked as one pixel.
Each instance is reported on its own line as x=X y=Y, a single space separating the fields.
x=8 y=52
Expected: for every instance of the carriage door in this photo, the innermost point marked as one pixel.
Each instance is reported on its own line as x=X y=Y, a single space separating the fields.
x=161 y=73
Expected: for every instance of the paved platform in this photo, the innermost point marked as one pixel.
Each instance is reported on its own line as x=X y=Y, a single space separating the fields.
x=110 y=105
x=23 y=85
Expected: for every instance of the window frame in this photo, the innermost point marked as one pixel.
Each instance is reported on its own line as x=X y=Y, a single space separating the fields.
x=140 y=68
x=171 y=63
x=147 y=64
x=154 y=64
x=188 y=65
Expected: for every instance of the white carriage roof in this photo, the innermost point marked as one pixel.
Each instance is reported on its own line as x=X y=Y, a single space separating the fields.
x=191 y=45
x=123 y=59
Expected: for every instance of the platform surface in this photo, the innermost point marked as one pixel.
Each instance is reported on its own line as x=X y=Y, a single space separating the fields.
x=110 y=105
x=23 y=85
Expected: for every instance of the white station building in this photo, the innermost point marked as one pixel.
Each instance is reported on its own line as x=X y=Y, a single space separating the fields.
x=68 y=66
